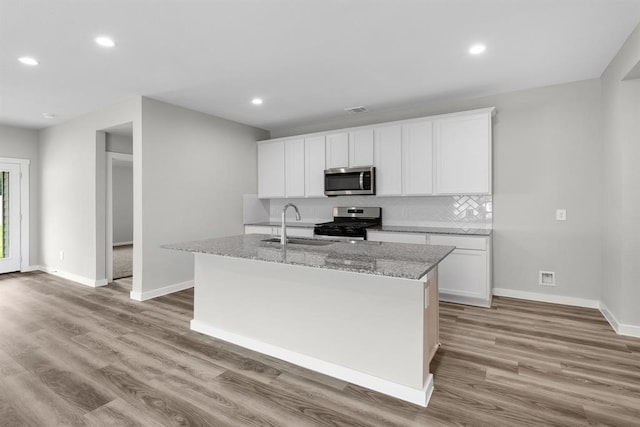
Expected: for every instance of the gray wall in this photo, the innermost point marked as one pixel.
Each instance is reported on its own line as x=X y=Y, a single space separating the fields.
x=116 y=143
x=546 y=155
x=122 y=191
x=192 y=171
x=73 y=190
x=621 y=195
x=23 y=144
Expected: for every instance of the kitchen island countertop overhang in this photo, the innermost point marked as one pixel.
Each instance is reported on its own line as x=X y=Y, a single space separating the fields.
x=399 y=260
x=364 y=312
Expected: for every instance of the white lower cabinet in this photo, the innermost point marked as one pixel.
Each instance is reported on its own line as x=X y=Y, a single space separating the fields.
x=297 y=232
x=275 y=230
x=394 y=237
x=465 y=275
x=258 y=229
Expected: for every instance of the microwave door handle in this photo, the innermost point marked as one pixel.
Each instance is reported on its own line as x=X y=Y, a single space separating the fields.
x=362 y=180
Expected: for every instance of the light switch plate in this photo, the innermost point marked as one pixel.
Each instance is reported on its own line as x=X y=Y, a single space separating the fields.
x=561 y=214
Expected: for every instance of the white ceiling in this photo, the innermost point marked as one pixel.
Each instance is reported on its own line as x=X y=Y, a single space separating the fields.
x=308 y=59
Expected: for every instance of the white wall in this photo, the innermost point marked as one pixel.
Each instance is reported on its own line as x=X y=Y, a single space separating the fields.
x=621 y=195
x=23 y=144
x=122 y=191
x=73 y=194
x=190 y=176
x=546 y=155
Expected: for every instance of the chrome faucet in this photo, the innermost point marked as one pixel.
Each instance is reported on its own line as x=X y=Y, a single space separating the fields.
x=283 y=230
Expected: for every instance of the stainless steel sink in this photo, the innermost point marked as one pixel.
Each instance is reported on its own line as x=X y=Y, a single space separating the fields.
x=308 y=242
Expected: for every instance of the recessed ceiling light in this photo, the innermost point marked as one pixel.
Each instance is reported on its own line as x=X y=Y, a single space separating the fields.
x=49 y=115
x=477 y=49
x=27 y=60
x=256 y=101
x=105 y=41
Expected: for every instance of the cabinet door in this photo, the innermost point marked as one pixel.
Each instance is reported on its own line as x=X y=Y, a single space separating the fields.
x=417 y=159
x=271 y=169
x=361 y=148
x=464 y=273
x=314 y=159
x=337 y=150
x=463 y=154
x=388 y=160
x=294 y=168
x=396 y=237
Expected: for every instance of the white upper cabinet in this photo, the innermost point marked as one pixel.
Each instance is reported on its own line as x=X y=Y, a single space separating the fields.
x=387 y=159
x=417 y=158
x=447 y=154
x=361 y=148
x=337 y=146
x=314 y=166
x=463 y=154
x=271 y=167
x=349 y=149
x=294 y=168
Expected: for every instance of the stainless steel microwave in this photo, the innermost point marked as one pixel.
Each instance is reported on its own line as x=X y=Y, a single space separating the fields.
x=350 y=181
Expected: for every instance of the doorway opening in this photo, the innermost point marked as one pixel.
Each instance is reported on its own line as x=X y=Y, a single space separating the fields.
x=119 y=204
x=14 y=215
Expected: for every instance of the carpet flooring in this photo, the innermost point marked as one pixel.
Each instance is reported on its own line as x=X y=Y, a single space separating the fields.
x=122 y=261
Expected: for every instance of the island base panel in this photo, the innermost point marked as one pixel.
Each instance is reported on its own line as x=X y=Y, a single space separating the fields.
x=366 y=329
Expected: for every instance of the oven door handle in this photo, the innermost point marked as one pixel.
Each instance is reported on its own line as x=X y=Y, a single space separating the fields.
x=362 y=180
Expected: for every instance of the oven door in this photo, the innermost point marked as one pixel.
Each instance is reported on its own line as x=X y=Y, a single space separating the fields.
x=349 y=181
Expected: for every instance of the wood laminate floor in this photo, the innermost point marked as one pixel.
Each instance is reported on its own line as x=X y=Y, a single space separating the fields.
x=72 y=355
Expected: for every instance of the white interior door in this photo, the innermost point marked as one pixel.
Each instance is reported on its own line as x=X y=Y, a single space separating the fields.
x=9 y=217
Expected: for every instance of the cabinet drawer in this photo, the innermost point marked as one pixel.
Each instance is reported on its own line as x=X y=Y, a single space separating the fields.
x=298 y=232
x=258 y=229
x=394 y=237
x=477 y=243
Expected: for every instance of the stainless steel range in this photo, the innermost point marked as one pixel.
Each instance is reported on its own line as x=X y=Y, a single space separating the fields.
x=350 y=223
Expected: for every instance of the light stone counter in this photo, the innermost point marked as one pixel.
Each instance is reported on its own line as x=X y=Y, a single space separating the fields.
x=464 y=231
x=383 y=259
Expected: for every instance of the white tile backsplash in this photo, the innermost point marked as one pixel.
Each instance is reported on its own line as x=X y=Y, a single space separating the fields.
x=435 y=211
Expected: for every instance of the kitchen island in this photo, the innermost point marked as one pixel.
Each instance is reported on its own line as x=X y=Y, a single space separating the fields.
x=365 y=312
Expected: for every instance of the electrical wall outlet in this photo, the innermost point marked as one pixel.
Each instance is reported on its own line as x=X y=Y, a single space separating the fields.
x=61 y=255
x=547 y=278
x=561 y=214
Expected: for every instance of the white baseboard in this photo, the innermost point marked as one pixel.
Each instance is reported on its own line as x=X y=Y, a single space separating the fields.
x=123 y=243
x=416 y=396
x=94 y=283
x=554 y=299
x=30 y=268
x=154 y=293
x=620 y=328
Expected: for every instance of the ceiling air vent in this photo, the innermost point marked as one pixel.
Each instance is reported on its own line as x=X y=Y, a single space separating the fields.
x=355 y=110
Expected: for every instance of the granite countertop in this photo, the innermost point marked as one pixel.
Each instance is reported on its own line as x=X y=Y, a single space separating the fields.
x=384 y=259
x=433 y=230
x=290 y=224
x=466 y=231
